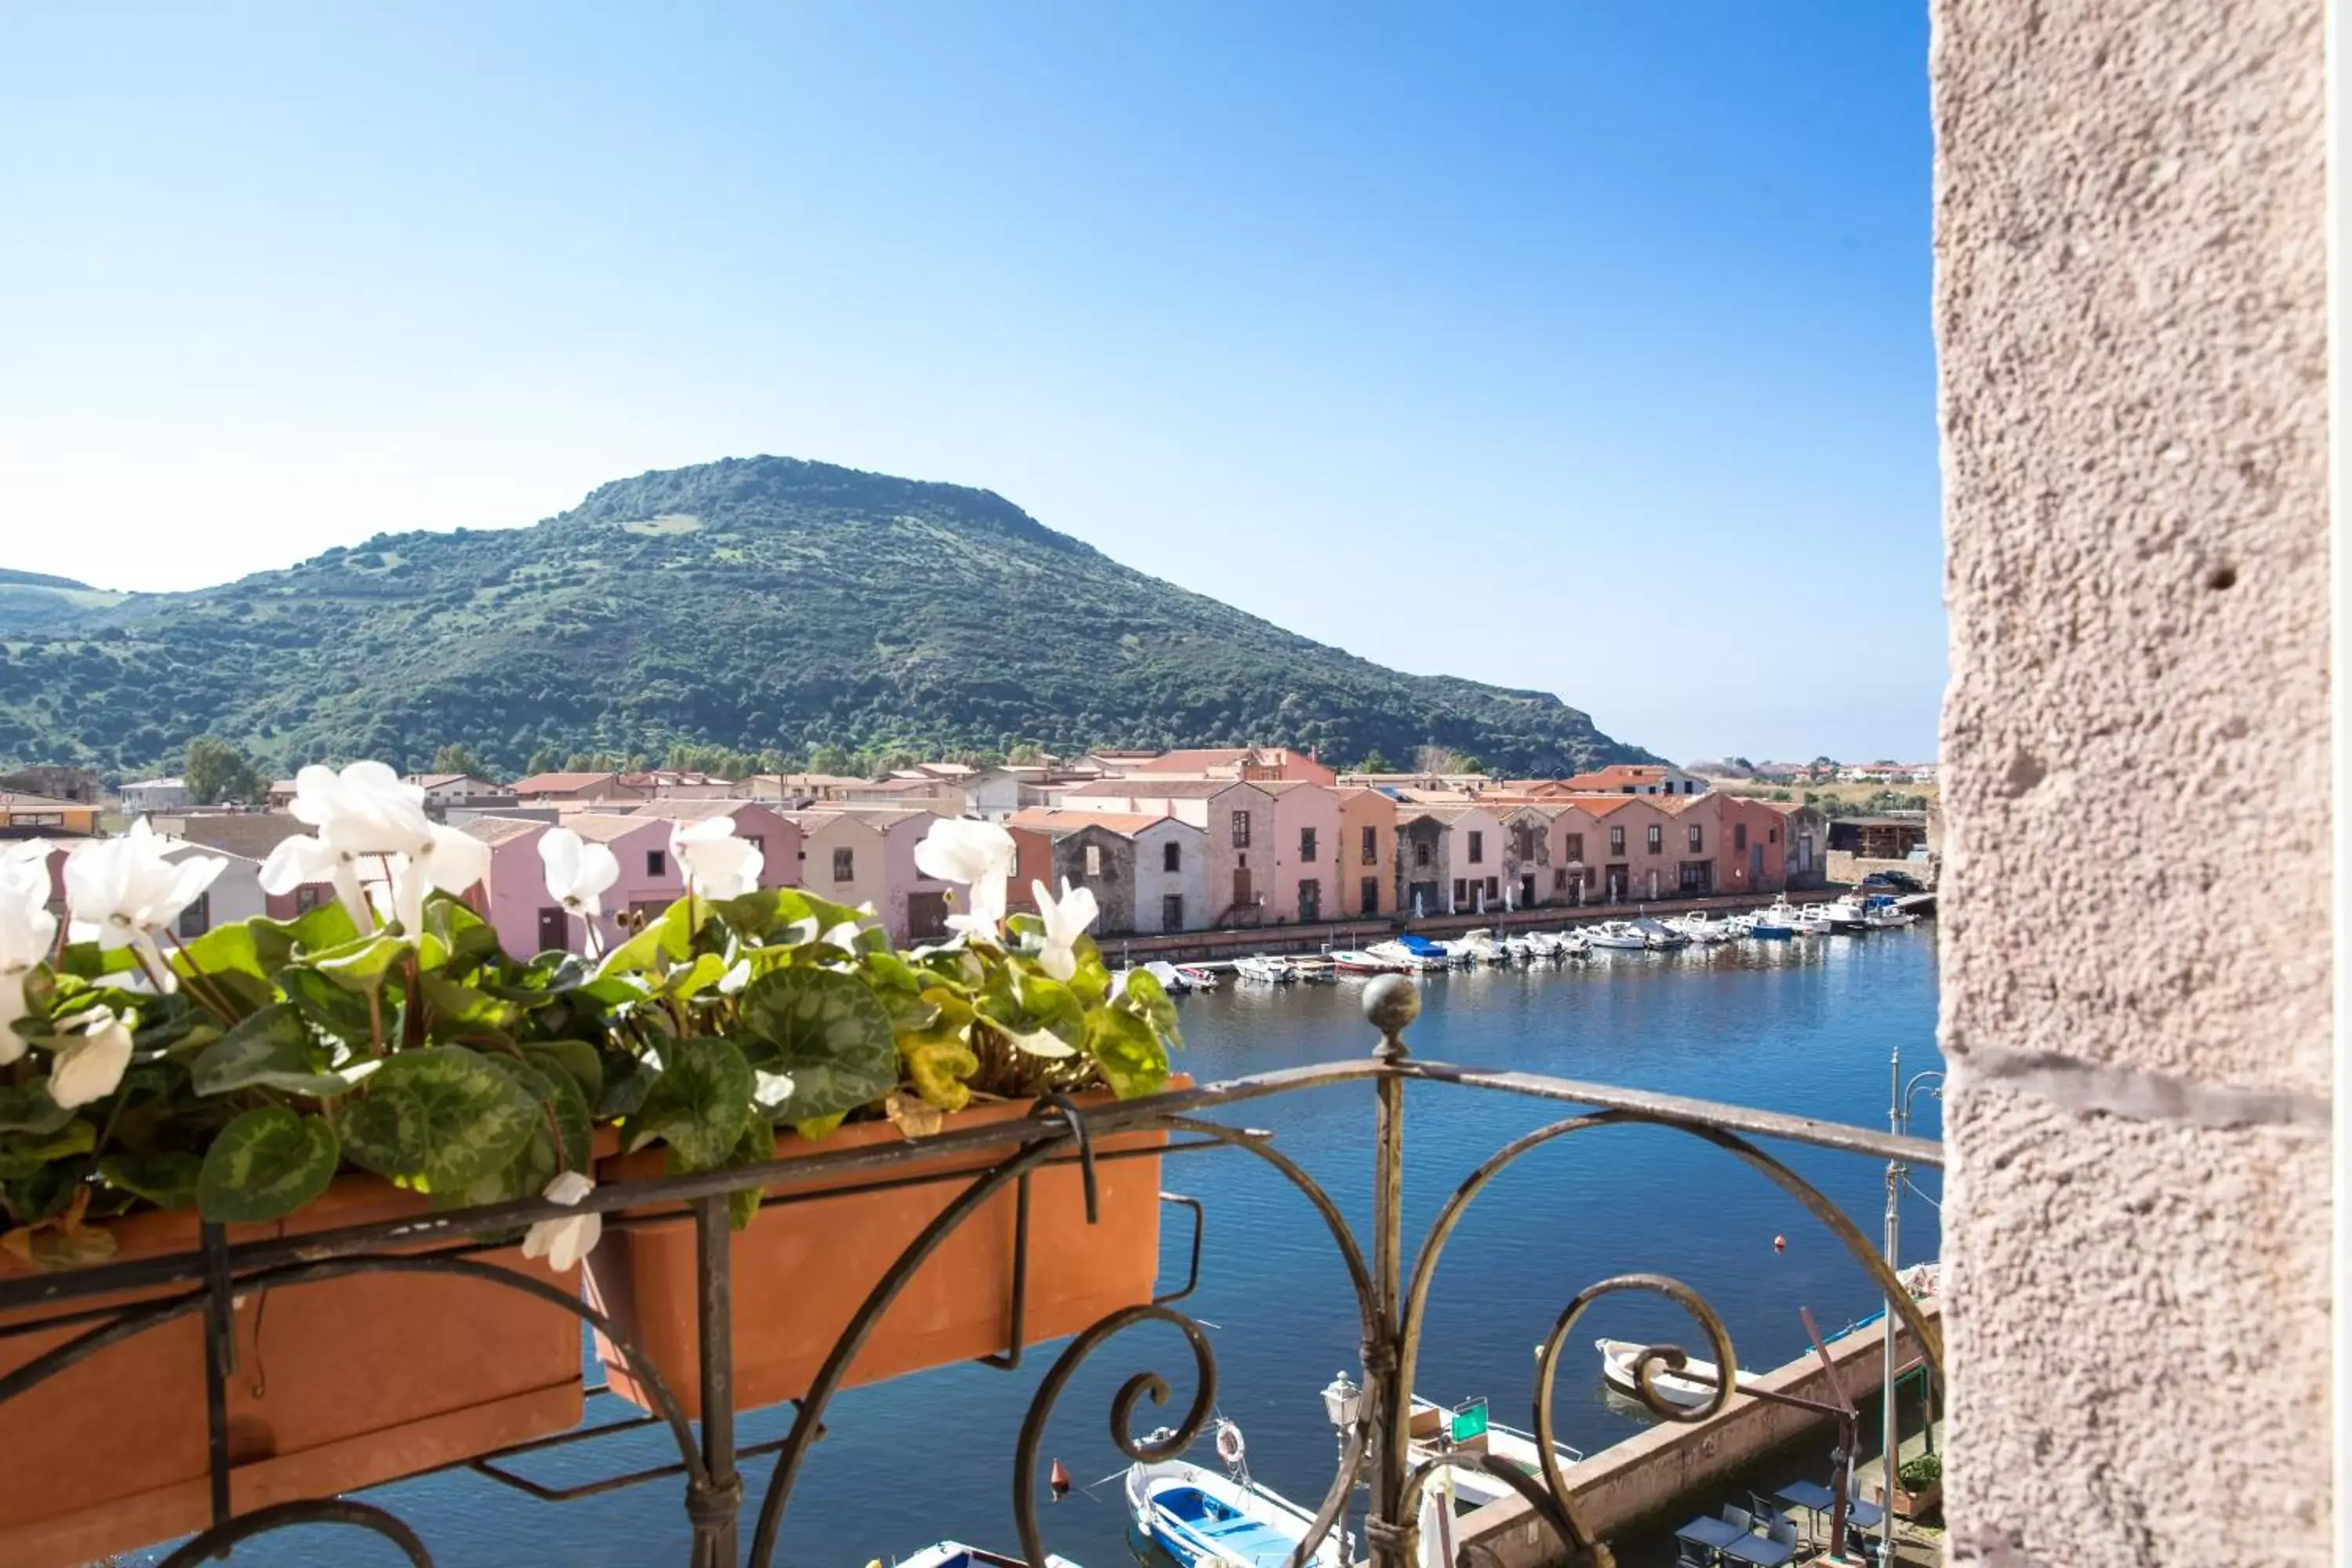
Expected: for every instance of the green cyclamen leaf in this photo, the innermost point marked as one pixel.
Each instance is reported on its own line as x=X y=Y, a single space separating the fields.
x=266 y=1164
x=169 y=1181
x=30 y=1109
x=437 y=1119
x=698 y=1104
x=271 y=1049
x=1129 y=1050
x=828 y=1032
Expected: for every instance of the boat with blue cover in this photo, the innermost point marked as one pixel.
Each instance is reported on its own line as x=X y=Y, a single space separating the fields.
x=1205 y=1519
x=956 y=1554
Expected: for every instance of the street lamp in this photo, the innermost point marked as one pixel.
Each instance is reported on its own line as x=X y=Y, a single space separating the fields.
x=1343 y=1402
x=1898 y=1122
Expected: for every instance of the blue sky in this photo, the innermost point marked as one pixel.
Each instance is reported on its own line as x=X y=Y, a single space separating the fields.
x=1575 y=347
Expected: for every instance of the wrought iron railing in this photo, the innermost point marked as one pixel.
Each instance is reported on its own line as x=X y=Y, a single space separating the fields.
x=1392 y=1303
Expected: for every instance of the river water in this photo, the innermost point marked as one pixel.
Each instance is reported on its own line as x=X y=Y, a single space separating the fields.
x=1803 y=1027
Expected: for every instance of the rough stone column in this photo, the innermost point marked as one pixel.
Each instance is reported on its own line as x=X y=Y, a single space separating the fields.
x=2130 y=308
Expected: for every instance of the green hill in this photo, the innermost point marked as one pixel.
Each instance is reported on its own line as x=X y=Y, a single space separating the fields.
x=764 y=604
x=30 y=600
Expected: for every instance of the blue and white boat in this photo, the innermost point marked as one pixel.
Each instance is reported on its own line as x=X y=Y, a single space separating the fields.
x=1204 y=1519
x=956 y=1554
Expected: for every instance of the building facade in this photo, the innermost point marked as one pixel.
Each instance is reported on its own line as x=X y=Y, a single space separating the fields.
x=1368 y=844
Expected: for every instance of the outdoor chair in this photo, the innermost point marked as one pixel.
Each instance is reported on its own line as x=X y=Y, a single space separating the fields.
x=1766 y=1511
x=1738 y=1518
x=1691 y=1554
x=1784 y=1532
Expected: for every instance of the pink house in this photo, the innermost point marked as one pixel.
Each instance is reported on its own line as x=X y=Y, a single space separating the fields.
x=514 y=898
x=778 y=838
x=1306 y=868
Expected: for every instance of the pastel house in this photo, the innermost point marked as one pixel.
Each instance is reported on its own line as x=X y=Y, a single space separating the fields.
x=1306 y=851
x=1474 y=855
x=1525 y=834
x=1367 y=877
x=777 y=837
x=1636 y=862
x=865 y=855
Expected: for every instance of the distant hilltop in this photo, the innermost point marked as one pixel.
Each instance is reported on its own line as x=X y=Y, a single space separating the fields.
x=765 y=604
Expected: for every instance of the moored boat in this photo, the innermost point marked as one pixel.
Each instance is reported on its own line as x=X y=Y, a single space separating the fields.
x=956 y=1554
x=1615 y=936
x=1202 y=1519
x=1198 y=976
x=1658 y=933
x=1689 y=1388
x=1264 y=968
x=1357 y=960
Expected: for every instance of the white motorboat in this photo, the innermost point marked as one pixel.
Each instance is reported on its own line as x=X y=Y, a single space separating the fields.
x=1658 y=933
x=1357 y=960
x=1518 y=949
x=956 y=1554
x=1770 y=925
x=1313 y=967
x=1690 y=1388
x=1704 y=931
x=1171 y=979
x=1264 y=968
x=1205 y=1519
x=1420 y=961
x=1545 y=944
x=1845 y=916
x=1880 y=912
x=1479 y=946
x=1617 y=936
x=1433 y=1431
x=1200 y=976
x=1807 y=920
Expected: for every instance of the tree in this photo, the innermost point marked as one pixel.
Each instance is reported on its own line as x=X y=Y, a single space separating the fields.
x=218 y=771
x=453 y=758
x=1374 y=763
x=543 y=761
x=1027 y=754
x=829 y=759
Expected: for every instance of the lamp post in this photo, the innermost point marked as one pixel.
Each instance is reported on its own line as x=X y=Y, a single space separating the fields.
x=1343 y=1402
x=1898 y=1121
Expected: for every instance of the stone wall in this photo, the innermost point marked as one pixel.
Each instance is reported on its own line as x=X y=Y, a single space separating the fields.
x=2130 y=307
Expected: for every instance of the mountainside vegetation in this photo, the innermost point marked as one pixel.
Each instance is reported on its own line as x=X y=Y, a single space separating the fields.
x=29 y=600
x=765 y=607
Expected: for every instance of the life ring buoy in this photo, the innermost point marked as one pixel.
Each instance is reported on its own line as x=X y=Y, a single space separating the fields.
x=1230 y=1447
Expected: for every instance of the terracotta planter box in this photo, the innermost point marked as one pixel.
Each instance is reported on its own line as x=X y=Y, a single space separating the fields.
x=801 y=1270
x=1918 y=1504
x=337 y=1385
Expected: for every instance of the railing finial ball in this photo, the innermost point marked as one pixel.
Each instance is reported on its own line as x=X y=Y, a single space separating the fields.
x=1391 y=1003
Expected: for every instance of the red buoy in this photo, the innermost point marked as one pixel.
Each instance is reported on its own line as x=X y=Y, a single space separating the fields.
x=1779 y=1244
x=1059 y=1482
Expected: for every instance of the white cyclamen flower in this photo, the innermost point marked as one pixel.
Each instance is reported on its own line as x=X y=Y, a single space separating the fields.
x=26 y=930
x=449 y=858
x=979 y=855
x=362 y=812
x=131 y=892
x=88 y=1069
x=578 y=872
x=565 y=1242
x=717 y=864
x=1066 y=921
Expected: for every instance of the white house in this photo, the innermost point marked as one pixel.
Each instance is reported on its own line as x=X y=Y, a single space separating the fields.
x=155 y=795
x=454 y=789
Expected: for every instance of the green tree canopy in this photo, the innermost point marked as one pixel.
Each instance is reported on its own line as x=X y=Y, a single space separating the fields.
x=217 y=774
x=455 y=758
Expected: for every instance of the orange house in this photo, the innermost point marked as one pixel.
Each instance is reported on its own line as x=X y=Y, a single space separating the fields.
x=1367 y=852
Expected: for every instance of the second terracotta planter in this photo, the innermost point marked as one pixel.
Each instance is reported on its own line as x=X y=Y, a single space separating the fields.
x=801 y=1270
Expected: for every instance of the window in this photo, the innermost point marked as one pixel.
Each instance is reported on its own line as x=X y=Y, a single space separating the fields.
x=757 y=841
x=1420 y=852
x=1311 y=899
x=1656 y=839
x=1477 y=847
x=1697 y=838
x=198 y=918
x=1368 y=894
x=305 y=897
x=1739 y=836
x=1494 y=888
x=1771 y=836
x=1461 y=892
x=1307 y=846
x=1559 y=880
x=1094 y=859
x=1616 y=841
x=1171 y=909
x=845 y=865
x=1371 y=856
x=657 y=862
x=1576 y=845
x=1241 y=830
x=1171 y=858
